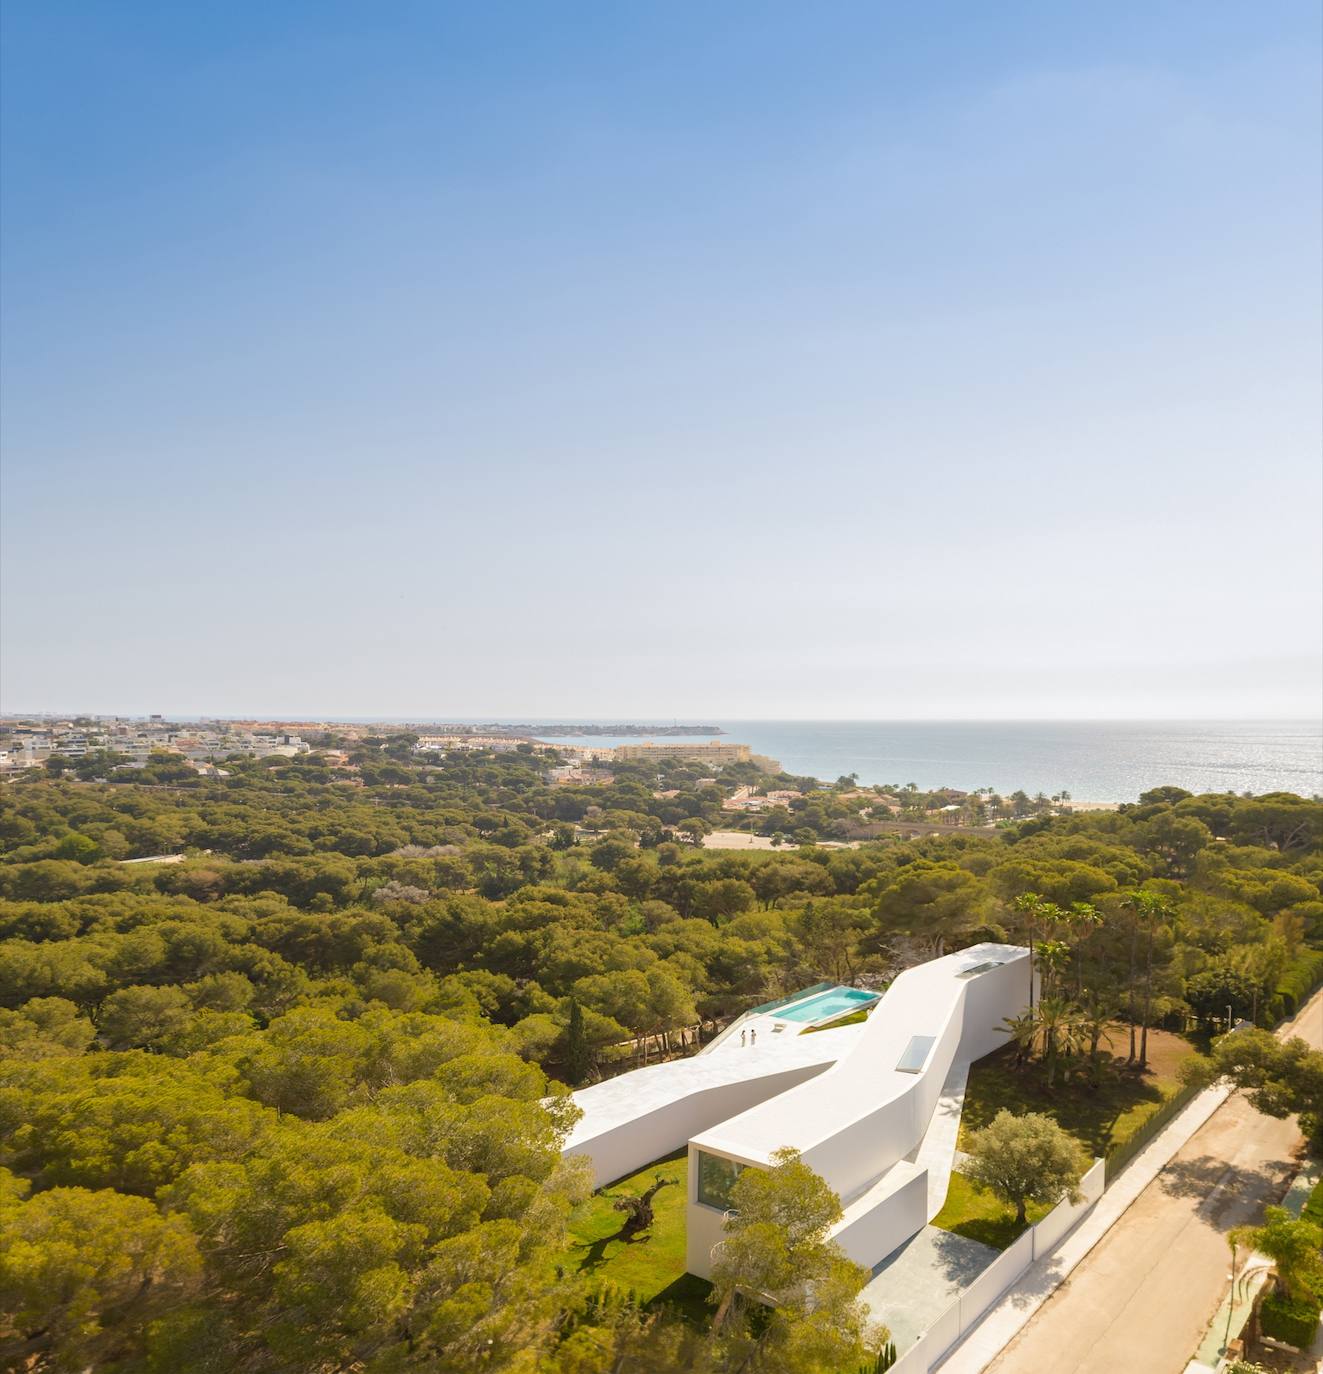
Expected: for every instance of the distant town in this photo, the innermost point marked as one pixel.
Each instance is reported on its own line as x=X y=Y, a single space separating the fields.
x=129 y=742
x=753 y=796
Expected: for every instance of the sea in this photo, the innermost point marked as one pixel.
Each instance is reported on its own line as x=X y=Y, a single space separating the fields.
x=1097 y=761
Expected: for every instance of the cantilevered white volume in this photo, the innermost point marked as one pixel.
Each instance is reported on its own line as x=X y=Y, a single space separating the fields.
x=863 y=1122
x=631 y=1120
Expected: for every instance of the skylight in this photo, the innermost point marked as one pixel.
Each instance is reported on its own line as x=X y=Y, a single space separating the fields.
x=916 y=1053
x=979 y=968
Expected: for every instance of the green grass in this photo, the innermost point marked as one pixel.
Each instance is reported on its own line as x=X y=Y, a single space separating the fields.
x=972 y=1211
x=1101 y=1117
x=851 y=1018
x=652 y=1265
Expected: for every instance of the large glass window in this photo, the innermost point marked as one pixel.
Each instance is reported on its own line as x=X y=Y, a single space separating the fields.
x=716 y=1177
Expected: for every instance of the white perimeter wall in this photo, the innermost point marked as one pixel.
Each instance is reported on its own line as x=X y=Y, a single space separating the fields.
x=974 y=1303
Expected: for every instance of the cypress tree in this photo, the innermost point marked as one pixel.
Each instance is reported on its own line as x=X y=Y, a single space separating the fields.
x=578 y=1057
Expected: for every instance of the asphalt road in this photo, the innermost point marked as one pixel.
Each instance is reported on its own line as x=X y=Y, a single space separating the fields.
x=1140 y=1301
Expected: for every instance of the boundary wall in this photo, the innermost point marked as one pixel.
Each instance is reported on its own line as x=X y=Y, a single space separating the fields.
x=971 y=1306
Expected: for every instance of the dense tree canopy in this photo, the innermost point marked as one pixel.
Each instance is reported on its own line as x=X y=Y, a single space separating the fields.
x=295 y=1100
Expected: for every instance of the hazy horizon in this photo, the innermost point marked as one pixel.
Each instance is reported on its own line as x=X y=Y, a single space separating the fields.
x=655 y=718
x=851 y=363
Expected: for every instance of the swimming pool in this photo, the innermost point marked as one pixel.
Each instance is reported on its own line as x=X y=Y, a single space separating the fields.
x=830 y=1003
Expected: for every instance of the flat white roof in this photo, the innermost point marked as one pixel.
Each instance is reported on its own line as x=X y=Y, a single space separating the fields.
x=632 y=1095
x=880 y=1064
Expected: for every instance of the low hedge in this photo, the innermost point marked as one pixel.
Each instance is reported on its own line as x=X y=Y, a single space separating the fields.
x=1314 y=1205
x=1290 y=1321
x=1303 y=974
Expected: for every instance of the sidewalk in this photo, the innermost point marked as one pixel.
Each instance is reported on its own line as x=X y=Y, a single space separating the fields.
x=1004 y=1321
x=1013 y=1312
x=1233 y=1313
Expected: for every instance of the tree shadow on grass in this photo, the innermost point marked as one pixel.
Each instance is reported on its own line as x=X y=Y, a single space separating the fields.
x=635 y=1229
x=595 y=1250
x=1092 y=1111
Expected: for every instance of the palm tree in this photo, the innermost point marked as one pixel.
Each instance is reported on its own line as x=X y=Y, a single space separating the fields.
x=1151 y=908
x=1132 y=978
x=1053 y=957
x=1082 y=920
x=1093 y=1023
x=1023 y=1031
x=1058 y=1025
x=1036 y=912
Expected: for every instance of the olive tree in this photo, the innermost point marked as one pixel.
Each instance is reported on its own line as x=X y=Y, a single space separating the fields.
x=1026 y=1159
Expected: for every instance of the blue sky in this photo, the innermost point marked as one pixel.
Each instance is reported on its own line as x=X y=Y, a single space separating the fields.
x=751 y=360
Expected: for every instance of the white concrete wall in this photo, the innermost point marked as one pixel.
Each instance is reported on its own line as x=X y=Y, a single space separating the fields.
x=995 y=1279
x=976 y=1300
x=940 y=1336
x=882 y=1219
x=863 y=1115
x=886 y=1216
x=704 y=1227
x=1063 y=1218
x=990 y=998
x=625 y=1148
x=855 y=1156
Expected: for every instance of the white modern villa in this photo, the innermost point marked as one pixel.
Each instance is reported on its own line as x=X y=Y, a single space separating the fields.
x=873 y=1107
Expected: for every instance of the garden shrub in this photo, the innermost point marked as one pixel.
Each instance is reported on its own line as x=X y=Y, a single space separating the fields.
x=1303 y=974
x=1291 y=1321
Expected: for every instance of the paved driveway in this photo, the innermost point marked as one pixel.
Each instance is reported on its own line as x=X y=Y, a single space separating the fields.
x=919 y=1280
x=1140 y=1300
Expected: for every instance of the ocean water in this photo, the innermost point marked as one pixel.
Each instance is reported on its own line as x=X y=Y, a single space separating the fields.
x=1104 y=761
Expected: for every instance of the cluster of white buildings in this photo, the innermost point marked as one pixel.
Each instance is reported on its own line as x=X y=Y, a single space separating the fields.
x=874 y=1107
x=446 y=744
x=746 y=799
x=28 y=744
x=578 y=775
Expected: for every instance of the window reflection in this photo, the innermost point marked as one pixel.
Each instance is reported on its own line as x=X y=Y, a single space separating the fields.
x=716 y=1177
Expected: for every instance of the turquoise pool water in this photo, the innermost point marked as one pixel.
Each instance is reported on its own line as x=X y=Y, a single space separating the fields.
x=825 y=1004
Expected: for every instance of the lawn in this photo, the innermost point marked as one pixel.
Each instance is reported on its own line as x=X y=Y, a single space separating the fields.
x=1101 y=1117
x=851 y=1018
x=973 y=1211
x=651 y=1265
